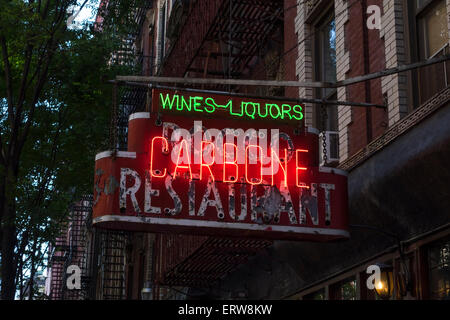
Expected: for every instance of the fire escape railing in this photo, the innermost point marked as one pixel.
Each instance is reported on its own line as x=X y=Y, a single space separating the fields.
x=201 y=17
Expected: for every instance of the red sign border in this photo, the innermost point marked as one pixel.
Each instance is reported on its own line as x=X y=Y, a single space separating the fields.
x=213 y=228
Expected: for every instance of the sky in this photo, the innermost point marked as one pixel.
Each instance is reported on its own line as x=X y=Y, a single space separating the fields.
x=87 y=14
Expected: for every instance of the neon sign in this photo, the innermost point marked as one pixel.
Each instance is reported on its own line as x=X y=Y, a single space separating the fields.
x=220 y=177
x=240 y=172
x=255 y=110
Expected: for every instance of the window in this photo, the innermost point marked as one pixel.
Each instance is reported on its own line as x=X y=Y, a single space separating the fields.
x=348 y=290
x=325 y=70
x=439 y=270
x=433 y=27
x=428 y=29
x=345 y=290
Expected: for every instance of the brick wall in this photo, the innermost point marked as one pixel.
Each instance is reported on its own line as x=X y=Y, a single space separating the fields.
x=394 y=87
x=358 y=51
x=377 y=62
x=290 y=44
x=367 y=55
x=343 y=67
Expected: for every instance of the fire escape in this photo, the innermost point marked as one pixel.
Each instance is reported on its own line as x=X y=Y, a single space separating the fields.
x=131 y=99
x=220 y=38
x=212 y=39
x=70 y=249
x=109 y=247
x=100 y=255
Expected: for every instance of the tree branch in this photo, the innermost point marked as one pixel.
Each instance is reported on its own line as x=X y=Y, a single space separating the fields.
x=8 y=79
x=44 y=14
x=22 y=91
x=37 y=91
x=43 y=185
x=2 y=153
x=26 y=70
x=41 y=81
x=42 y=48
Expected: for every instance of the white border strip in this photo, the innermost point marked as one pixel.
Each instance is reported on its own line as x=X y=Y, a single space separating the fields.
x=222 y=225
x=313 y=130
x=333 y=171
x=119 y=154
x=139 y=115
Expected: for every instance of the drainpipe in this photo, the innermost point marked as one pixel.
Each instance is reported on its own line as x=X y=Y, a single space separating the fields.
x=367 y=90
x=147 y=290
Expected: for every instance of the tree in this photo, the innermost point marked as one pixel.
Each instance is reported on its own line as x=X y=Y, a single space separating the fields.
x=54 y=109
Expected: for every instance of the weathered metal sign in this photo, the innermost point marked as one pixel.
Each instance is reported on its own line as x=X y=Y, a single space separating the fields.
x=220 y=175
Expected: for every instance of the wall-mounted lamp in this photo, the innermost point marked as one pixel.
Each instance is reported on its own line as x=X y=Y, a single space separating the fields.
x=385 y=287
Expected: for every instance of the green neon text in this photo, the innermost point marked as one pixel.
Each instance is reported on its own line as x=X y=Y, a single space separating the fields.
x=248 y=109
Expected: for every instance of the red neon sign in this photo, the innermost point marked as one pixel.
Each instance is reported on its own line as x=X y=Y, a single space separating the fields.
x=226 y=162
x=264 y=188
x=185 y=152
x=239 y=172
x=297 y=169
x=273 y=156
x=207 y=165
x=247 y=171
x=166 y=148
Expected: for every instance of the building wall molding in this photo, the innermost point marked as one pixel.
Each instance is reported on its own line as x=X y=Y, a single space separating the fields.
x=402 y=126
